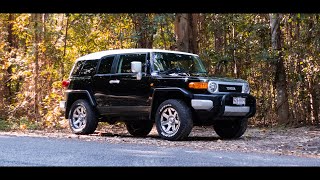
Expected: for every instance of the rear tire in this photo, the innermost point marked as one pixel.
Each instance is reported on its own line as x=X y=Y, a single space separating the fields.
x=139 y=128
x=174 y=120
x=82 y=118
x=231 y=129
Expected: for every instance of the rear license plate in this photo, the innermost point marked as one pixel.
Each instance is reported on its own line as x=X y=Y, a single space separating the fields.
x=239 y=100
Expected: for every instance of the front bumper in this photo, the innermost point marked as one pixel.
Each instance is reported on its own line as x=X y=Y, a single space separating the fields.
x=217 y=106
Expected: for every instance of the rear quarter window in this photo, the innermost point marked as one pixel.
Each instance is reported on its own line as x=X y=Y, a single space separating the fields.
x=89 y=68
x=85 y=68
x=77 y=68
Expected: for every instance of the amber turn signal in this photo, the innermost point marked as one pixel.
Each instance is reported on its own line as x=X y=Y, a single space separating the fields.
x=198 y=85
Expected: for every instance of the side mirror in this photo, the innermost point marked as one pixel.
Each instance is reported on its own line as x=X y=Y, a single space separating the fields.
x=136 y=67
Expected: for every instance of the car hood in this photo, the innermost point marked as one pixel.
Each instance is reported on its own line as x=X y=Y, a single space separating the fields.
x=201 y=78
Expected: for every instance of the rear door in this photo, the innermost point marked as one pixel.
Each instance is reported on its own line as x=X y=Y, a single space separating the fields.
x=101 y=86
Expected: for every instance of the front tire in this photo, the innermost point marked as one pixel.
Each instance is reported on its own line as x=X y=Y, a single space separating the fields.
x=231 y=129
x=174 y=120
x=82 y=118
x=139 y=128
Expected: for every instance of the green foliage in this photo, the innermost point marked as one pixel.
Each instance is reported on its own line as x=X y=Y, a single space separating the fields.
x=22 y=123
x=4 y=125
x=232 y=45
x=25 y=123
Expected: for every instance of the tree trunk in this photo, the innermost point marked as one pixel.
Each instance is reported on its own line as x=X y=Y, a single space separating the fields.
x=185 y=27
x=218 y=36
x=194 y=19
x=5 y=80
x=37 y=33
x=162 y=35
x=282 y=105
x=301 y=110
x=313 y=105
x=143 y=24
x=11 y=37
x=218 y=41
x=64 y=48
x=235 y=67
x=12 y=45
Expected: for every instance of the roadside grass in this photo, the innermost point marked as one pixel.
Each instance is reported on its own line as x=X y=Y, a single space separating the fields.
x=4 y=125
x=18 y=124
x=24 y=123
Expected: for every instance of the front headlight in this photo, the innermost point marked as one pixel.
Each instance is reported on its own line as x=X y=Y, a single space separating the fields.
x=246 y=88
x=212 y=87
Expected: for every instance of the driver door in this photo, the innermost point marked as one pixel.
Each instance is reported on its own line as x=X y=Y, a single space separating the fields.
x=129 y=95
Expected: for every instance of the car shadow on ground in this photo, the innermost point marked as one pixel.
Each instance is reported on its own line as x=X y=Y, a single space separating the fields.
x=156 y=137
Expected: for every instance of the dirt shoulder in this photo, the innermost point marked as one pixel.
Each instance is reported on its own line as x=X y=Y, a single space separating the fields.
x=303 y=141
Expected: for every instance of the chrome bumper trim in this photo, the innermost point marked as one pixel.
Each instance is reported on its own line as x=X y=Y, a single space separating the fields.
x=236 y=110
x=201 y=104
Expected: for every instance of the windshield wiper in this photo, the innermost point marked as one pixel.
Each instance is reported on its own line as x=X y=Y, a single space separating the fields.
x=198 y=73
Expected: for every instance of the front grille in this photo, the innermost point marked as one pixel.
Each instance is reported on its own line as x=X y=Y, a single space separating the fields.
x=229 y=88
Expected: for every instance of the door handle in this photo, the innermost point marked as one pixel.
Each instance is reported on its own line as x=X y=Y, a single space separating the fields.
x=114 y=81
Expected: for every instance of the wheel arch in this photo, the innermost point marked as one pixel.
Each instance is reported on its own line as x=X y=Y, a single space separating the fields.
x=161 y=94
x=73 y=95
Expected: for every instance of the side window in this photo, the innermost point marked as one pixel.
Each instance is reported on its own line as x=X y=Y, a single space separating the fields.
x=125 y=60
x=105 y=65
x=77 y=67
x=89 y=68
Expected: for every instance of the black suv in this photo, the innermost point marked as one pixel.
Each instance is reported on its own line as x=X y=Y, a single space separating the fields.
x=145 y=86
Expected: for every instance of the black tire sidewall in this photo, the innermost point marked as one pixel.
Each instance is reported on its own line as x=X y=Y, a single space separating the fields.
x=185 y=118
x=139 y=128
x=91 y=121
x=231 y=133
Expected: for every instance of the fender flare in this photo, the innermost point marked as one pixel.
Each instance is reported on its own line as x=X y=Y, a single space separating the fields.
x=158 y=93
x=71 y=93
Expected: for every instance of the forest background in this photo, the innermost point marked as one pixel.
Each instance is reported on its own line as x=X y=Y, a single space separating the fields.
x=277 y=53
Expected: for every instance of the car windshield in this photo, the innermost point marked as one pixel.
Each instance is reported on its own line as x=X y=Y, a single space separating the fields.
x=172 y=63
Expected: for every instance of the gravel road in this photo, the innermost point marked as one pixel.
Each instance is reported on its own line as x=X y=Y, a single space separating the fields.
x=49 y=151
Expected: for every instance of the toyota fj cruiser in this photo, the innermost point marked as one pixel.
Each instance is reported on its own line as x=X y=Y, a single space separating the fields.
x=142 y=87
